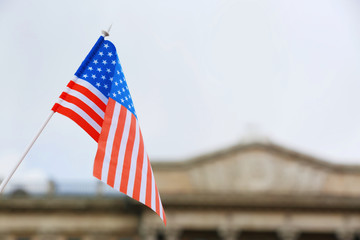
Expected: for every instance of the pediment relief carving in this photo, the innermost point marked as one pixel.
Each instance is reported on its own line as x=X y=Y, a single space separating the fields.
x=257 y=171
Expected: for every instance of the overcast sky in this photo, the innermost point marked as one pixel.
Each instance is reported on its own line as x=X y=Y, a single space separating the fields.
x=203 y=76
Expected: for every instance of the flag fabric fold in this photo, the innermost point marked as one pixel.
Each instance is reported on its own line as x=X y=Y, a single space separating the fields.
x=99 y=101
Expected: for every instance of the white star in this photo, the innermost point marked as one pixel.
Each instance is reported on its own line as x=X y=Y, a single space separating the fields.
x=127 y=87
x=123 y=89
x=114 y=94
x=110 y=54
x=93 y=76
x=99 y=69
x=108 y=94
x=106 y=45
x=85 y=76
x=105 y=86
x=95 y=61
x=116 y=83
x=111 y=79
x=113 y=62
x=119 y=92
x=129 y=106
x=118 y=72
x=103 y=77
x=126 y=98
x=129 y=96
x=101 y=53
x=122 y=100
x=98 y=84
x=90 y=68
x=120 y=81
x=108 y=70
x=104 y=62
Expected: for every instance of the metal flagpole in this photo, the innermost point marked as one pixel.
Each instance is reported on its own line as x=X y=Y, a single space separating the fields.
x=7 y=179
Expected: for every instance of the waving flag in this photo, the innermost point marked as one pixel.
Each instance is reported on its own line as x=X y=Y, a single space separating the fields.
x=99 y=101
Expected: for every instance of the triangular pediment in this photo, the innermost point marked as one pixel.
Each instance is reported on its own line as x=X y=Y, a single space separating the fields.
x=257 y=168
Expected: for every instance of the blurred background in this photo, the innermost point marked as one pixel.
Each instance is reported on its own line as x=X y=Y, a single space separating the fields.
x=238 y=101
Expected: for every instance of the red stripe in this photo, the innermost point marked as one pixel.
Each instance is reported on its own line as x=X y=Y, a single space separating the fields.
x=83 y=106
x=148 y=185
x=100 y=154
x=89 y=94
x=128 y=154
x=55 y=107
x=164 y=216
x=116 y=145
x=157 y=200
x=139 y=167
x=78 y=119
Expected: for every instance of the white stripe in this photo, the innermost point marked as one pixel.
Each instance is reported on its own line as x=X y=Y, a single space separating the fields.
x=143 y=179
x=109 y=143
x=93 y=89
x=161 y=207
x=124 y=139
x=135 y=152
x=86 y=100
x=82 y=114
x=153 y=194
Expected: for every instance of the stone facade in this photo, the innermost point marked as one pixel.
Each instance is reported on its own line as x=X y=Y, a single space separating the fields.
x=246 y=192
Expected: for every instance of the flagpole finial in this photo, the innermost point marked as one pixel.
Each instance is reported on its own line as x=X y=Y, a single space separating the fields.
x=106 y=33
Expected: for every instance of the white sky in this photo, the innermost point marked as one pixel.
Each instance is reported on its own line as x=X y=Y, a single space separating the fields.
x=200 y=73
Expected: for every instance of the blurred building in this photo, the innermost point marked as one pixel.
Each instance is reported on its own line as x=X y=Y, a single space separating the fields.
x=254 y=191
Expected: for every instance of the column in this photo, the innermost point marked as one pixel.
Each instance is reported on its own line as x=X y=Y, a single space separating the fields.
x=227 y=233
x=288 y=234
x=5 y=236
x=172 y=233
x=148 y=234
x=345 y=234
x=97 y=236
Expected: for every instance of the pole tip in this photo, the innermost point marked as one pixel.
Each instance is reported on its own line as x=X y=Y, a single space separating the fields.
x=106 y=33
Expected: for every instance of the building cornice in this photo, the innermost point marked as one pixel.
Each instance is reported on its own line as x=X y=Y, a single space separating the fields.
x=272 y=201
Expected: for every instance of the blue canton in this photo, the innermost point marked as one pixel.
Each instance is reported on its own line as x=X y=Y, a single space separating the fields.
x=120 y=90
x=102 y=69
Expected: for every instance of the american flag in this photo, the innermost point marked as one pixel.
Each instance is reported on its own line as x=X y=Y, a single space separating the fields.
x=99 y=101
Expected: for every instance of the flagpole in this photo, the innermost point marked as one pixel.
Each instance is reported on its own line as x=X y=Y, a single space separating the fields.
x=6 y=180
